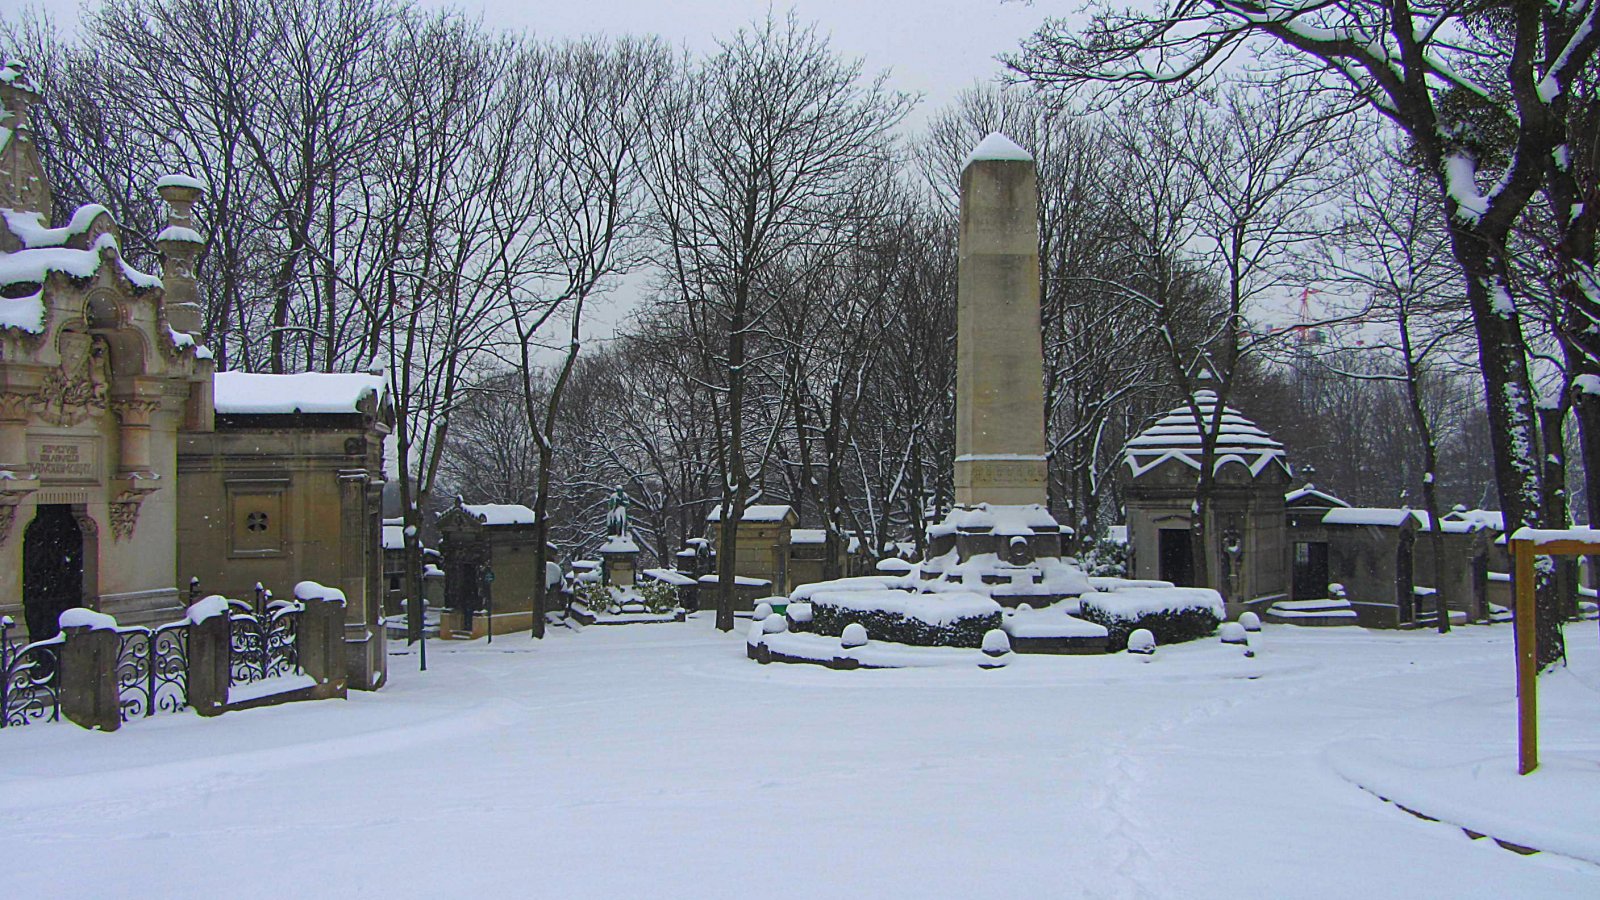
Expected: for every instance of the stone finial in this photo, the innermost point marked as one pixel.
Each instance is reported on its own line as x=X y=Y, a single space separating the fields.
x=180 y=244
x=23 y=185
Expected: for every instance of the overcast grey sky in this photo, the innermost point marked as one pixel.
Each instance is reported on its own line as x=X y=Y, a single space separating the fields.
x=935 y=48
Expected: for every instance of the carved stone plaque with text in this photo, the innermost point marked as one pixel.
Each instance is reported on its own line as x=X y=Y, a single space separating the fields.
x=65 y=460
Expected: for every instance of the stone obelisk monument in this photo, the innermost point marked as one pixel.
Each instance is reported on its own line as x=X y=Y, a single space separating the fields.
x=1000 y=444
x=1000 y=538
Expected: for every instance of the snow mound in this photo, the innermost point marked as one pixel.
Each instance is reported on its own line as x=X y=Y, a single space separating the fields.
x=79 y=617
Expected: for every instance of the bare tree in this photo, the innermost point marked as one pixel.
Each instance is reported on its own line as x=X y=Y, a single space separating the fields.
x=1420 y=67
x=755 y=155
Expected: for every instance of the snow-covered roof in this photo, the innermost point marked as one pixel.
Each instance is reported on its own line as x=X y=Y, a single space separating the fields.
x=1377 y=516
x=1310 y=496
x=996 y=146
x=45 y=250
x=1388 y=517
x=1493 y=519
x=1177 y=436
x=808 y=536
x=770 y=512
x=251 y=393
x=1553 y=535
x=499 y=513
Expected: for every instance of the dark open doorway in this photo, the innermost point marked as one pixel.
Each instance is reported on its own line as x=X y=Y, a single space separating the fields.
x=1310 y=570
x=1176 y=556
x=52 y=569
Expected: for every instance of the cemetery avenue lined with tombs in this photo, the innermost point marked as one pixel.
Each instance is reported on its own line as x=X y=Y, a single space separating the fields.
x=379 y=622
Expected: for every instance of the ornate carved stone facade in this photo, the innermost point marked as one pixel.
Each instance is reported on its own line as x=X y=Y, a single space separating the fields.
x=104 y=384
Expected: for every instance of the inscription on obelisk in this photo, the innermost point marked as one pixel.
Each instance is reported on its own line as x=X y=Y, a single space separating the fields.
x=1000 y=444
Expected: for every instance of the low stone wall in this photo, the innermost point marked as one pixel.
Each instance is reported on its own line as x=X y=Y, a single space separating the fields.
x=100 y=674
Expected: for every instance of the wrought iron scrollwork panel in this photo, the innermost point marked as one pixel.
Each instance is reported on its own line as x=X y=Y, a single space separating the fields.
x=264 y=645
x=133 y=672
x=169 y=668
x=153 y=670
x=30 y=683
x=247 y=644
x=283 y=649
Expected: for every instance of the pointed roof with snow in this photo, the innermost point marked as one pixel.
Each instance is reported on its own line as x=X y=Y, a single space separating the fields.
x=1176 y=436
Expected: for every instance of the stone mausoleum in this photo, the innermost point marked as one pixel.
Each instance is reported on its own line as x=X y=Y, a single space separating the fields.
x=127 y=466
x=1244 y=528
x=1295 y=556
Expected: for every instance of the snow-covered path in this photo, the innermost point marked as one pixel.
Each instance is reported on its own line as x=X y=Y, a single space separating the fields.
x=656 y=761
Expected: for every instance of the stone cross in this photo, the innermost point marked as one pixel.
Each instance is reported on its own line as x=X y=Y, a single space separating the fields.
x=1000 y=443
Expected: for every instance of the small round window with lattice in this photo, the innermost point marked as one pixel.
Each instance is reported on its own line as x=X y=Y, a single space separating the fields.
x=256 y=521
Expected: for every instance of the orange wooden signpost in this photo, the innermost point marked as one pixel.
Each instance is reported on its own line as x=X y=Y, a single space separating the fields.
x=1526 y=544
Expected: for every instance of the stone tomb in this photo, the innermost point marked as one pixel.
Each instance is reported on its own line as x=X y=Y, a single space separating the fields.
x=489 y=554
x=111 y=442
x=99 y=373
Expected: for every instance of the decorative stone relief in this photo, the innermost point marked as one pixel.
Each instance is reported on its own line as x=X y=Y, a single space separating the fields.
x=125 y=513
x=77 y=389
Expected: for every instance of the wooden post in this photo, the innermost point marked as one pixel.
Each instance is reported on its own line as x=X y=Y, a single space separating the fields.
x=1522 y=553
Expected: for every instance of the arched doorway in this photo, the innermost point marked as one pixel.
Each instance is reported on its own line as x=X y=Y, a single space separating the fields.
x=52 y=569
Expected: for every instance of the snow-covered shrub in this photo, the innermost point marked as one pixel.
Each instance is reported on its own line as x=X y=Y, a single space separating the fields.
x=1141 y=641
x=853 y=635
x=595 y=596
x=657 y=595
x=774 y=624
x=761 y=612
x=996 y=642
x=1250 y=621
x=1234 y=633
x=799 y=616
x=954 y=619
x=1106 y=559
x=1172 y=615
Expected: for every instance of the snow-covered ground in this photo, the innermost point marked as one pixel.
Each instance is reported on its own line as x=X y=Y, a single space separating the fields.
x=656 y=761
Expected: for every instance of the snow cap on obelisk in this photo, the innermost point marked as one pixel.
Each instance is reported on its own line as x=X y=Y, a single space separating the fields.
x=996 y=146
x=1000 y=443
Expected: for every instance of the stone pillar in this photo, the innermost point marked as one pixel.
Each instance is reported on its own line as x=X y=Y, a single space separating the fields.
x=133 y=414
x=14 y=433
x=320 y=643
x=1000 y=442
x=358 y=543
x=209 y=659
x=180 y=243
x=89 y=694
x=17 y=480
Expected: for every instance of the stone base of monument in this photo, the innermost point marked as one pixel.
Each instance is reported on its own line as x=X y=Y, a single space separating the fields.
x=1053 y=630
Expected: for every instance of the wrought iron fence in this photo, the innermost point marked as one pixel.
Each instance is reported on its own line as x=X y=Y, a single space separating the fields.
x=153 y=669
x=263 y=641
x=30 y=679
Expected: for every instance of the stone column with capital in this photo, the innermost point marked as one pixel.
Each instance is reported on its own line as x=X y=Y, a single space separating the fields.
x=1000 y=441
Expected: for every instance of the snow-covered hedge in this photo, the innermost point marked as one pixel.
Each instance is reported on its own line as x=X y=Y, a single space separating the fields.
x=953 y=619
x=1172 y=615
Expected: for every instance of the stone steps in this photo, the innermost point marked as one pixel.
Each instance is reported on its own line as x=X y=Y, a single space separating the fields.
x=1323 y=613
